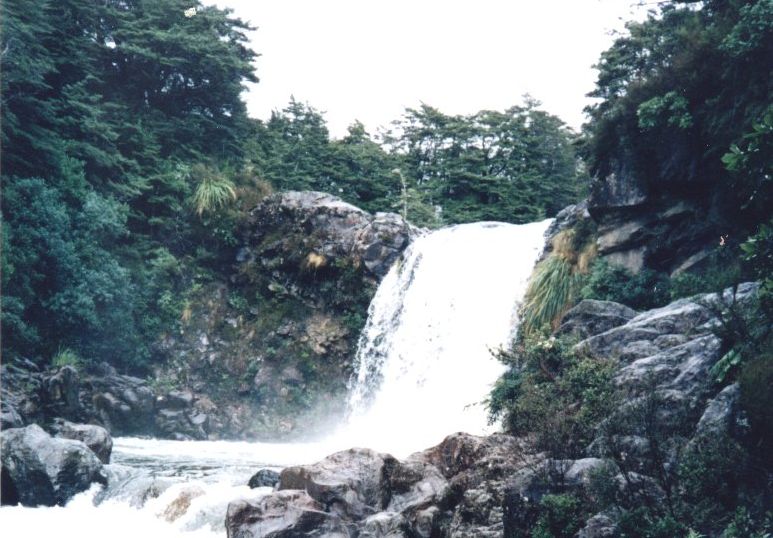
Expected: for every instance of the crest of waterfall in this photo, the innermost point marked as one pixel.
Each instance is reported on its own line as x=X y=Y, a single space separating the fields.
x=424 y=359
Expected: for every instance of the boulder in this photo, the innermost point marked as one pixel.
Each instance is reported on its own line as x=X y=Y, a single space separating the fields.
x=598 y=526
x=38 y=469
x=61 y=392
x=590 y=317
x=721 y=414
x=265 y=478
x=321 y=229
x=350 y=483
x=124 y=404
x=283 y=514
x=95 y=437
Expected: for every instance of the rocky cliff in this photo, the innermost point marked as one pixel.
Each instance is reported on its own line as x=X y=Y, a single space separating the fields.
x=262 y=352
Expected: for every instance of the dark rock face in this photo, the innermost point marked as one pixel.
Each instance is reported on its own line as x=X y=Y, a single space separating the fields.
x=38 y=469
x=454 y=489
x=267 y=350
x=284 y=514
x=95 y=437
x=265 y=478
x=640 y=226
x=332 y=229
x=591 y=317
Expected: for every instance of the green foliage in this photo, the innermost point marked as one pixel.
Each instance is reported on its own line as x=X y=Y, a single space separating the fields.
x=66 y=357
x=553 y=394
x=551 y=291
x=560 y=517
x=101 y=101
x=646 y=289
x=555 y=284
x=756 y=383
x=212 y=192
x=744 y=525
x=514 y=166
x=675 y=92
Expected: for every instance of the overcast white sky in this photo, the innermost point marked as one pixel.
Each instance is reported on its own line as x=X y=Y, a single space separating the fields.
x=369 y=59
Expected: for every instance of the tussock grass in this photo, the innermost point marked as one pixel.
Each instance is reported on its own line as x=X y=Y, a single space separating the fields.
x=212 y=192
x=555 y=284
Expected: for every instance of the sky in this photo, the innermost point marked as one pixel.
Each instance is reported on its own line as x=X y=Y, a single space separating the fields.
x=368 y=60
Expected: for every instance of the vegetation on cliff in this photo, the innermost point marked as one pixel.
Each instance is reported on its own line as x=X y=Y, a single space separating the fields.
x=129 y=163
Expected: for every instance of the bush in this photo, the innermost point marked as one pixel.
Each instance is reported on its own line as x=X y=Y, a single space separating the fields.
x=641 y=291
x=553 y=394
x=561 y=517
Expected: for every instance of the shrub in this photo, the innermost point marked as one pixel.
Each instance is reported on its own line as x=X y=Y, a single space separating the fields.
x=643 y=290
x=561 y=517
x=553 y=394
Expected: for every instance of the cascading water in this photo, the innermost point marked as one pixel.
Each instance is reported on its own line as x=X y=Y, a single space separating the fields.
x=424 y=367
x=425 y=361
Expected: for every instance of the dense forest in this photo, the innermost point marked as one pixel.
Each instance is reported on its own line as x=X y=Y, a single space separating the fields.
x=129 y=161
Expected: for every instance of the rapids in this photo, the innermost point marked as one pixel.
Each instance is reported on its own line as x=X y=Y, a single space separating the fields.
x=424 y=367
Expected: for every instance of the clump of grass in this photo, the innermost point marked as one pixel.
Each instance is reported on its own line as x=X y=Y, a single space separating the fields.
x=212 y=192
x=556 y=282
x=66 y=357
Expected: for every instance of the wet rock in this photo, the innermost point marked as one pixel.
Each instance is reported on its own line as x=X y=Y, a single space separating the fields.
x=592 y=317
x=125 y=405
x=9 y=416
x=179 y=506
x=38 y=469
x=61 y=392
x=95 y=437
x=385 y=525
x=348 y=483
x=265 y=478
x=282 y=514
x=177 y=399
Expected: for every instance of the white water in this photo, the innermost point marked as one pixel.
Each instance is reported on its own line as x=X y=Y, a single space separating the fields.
x=424 y=368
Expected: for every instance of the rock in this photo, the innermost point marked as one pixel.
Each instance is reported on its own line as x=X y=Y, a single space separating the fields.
x=265 y=478
x=282 y=514
x=534 y=482
x=124 y=404
x=181 y=503
x=385 y=525
x=598 y=526
x=9 y=416
x=570 y=217
x=38 y=469
x=177 y=399
x=590 y=317
x=95 y=437
x=721 y=412
x=348 y=483
x=669 y=350
x=61 y=392
x=332 y=231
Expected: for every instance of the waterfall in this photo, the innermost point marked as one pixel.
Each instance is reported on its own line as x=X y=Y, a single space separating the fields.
x=424 y=360
x=424 y=365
